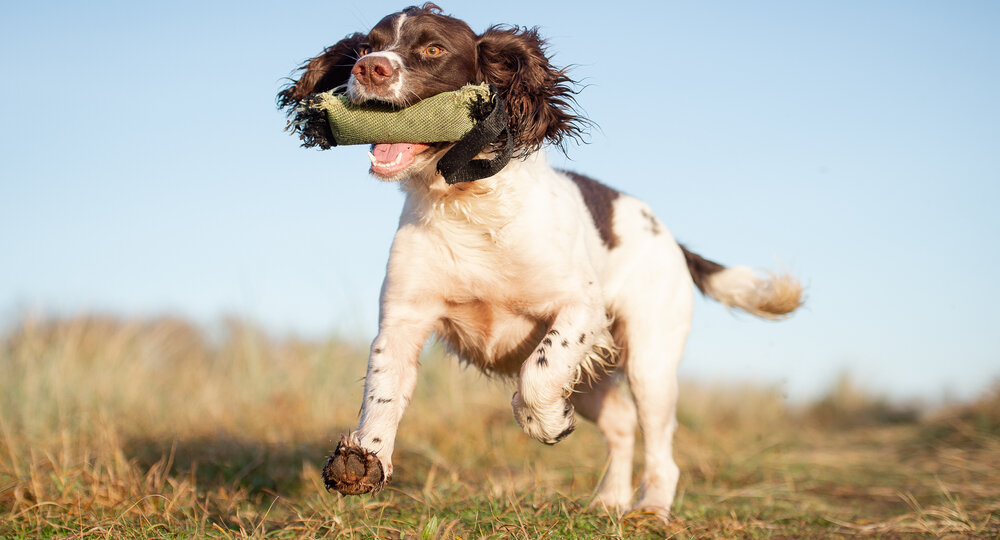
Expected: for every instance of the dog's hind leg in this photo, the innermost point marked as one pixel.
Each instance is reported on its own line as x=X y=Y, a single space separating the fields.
x=606 y=404
x=654 y=354
x=652 y=322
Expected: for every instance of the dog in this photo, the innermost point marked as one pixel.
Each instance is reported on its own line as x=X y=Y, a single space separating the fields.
x=533 y=273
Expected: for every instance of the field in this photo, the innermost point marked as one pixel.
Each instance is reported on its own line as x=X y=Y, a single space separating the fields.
x=156 y=428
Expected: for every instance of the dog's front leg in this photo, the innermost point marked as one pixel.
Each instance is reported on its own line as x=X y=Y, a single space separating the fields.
x=362 y=461
x=577 y=338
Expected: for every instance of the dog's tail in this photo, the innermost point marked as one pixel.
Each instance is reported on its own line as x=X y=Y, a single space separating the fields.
x=739 y=286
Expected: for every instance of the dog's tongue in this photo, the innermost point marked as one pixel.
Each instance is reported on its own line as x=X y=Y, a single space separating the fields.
x=390 y=158
x=387 y=152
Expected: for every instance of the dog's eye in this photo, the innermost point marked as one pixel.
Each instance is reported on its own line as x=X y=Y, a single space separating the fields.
x=433 y=50
x=364 y=49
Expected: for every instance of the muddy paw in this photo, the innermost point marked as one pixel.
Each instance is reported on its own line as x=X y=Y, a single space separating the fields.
x=353 y=470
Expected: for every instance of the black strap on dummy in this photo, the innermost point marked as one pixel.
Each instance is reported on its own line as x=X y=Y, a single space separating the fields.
x=459 y=165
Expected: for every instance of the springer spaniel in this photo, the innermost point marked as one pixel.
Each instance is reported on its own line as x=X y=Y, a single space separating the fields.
x=538 y=274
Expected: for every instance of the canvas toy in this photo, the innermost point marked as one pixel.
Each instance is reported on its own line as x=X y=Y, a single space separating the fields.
x=474 y=117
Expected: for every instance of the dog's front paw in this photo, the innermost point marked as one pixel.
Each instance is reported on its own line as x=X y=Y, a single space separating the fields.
x=353 y=469
x=547 y=424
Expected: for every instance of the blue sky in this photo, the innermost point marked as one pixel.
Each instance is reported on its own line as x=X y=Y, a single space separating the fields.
x=143 y=170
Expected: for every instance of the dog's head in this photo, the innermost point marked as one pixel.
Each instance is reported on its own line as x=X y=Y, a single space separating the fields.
x=420 y=52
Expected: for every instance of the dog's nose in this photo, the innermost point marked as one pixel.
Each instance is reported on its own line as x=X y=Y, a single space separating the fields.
x=372 y=70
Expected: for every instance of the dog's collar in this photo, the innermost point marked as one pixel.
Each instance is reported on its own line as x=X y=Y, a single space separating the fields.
x=459 y=163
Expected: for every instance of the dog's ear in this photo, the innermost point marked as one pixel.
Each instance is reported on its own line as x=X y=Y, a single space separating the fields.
x=332 y=68
x=539 y=96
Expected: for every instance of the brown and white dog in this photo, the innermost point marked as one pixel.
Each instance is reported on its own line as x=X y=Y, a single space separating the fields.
x=533 y=273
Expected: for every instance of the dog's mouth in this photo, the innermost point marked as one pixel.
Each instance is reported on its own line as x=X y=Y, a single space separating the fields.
x=390 y=159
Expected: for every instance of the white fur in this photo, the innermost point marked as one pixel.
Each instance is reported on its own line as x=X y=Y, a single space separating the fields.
x=398 y=30
x=740 y=286
x=486 y=264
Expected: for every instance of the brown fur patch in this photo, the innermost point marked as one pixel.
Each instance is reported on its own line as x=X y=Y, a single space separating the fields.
x=600 y=202
x=654 y=224
x=539 y=95
x=784 y=295
x=620 y=336
x=468 y=326
x=476 y=317
x=701 y=268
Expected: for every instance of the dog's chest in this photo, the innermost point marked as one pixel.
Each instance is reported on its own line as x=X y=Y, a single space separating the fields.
x=493 y=335
x=501 y=280
x=496 y=312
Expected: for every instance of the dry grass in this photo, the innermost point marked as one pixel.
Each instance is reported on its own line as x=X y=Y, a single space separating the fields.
x=157 y=429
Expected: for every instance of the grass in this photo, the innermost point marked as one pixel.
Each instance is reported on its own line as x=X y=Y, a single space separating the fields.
x=155 y=428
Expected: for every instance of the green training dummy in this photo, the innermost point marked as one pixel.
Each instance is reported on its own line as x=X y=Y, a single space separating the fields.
x=329 y=119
